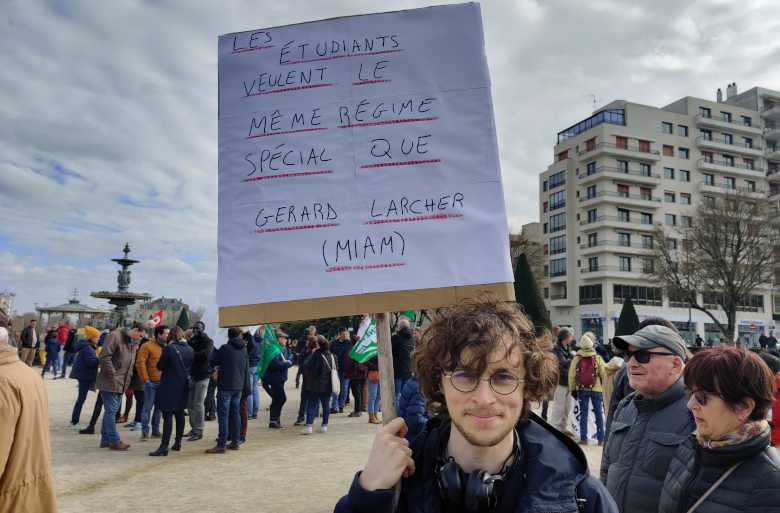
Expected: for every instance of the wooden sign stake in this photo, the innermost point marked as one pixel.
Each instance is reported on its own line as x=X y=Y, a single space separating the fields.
x=387 y=383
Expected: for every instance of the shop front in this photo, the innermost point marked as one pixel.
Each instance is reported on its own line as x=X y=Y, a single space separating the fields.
x=594 y=322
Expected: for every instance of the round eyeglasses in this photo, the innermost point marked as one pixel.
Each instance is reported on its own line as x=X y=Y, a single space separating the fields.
x=503 y=383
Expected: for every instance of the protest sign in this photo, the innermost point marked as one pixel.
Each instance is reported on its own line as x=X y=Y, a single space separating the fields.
x=358 y=162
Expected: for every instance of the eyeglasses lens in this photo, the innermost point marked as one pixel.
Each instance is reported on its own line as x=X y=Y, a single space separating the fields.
x=701 y=397
x=501 y=382
x=641 y=355
x=463 y=382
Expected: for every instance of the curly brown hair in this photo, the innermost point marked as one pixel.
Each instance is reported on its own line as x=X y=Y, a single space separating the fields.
x=481 y=324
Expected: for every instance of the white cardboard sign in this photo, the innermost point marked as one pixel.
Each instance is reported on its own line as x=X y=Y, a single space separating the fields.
x=358 y=155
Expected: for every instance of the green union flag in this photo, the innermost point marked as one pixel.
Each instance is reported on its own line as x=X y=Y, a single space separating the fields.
x=365 y=348
x=271 y=348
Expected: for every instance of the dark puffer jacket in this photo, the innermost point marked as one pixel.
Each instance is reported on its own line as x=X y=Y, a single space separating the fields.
x=233 y=365
x=403 y=345
x=754 y=486
x=203 y=347
x=411 y=408
x=563 y=353
x=85 y=367
x=644 y=439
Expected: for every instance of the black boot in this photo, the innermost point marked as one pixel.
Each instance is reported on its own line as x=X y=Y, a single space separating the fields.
x=89 y=430
x=176 y=445
x=161 y=451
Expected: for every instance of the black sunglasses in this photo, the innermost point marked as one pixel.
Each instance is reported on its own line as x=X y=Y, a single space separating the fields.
x=701 y=397
x=643 y=355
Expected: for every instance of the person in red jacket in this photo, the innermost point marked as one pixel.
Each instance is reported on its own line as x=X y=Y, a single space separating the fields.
x=774 y=414
x=62 y=336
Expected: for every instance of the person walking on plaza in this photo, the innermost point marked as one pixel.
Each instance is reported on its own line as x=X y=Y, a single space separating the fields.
x=232 y=365
x=201 y=370
x=586 y=373
x=319 y=384
x=728 y=464
x=116 y=370
x=84 y=370
x=562 y=400
x=302 y=357
x=355 y=373
x=146 y=369
x=253 y=400
x=30 y=342
x=53 y=348
x=340 y=347
x=374 y=392
x=771 y=342
x=62 y=336
x=403 y=345
x=26 y=482
x=174 y=365
x=650 y=423
x=69 y=350
x=275 y=376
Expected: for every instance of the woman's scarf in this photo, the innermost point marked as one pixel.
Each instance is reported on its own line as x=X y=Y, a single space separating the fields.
x=747 y=431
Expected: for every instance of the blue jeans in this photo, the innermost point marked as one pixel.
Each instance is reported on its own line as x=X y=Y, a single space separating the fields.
x=83 y=389
x=111 y=402
x=584 y=396
x=313 y=399
x=253 y=401
x=305 y=403
x=228 y=402
x=67 y=358
x=60 y=356
x=399 y=385
x=54 y=363
x=150 y=394
x=338 y=401
x=374 y=397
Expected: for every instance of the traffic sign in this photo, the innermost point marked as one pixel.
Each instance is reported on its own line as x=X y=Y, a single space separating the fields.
x=752 y=327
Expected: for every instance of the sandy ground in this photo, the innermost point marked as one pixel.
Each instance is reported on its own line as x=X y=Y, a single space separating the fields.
x=273 y=471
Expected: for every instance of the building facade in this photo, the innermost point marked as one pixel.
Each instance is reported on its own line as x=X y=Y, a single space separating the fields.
x=7 y=301
x=630 y=168
x=171 y=308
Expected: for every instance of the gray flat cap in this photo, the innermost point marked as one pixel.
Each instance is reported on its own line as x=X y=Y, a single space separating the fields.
x=653 y=336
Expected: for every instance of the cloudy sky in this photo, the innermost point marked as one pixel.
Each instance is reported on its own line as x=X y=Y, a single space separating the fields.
x=108 y=114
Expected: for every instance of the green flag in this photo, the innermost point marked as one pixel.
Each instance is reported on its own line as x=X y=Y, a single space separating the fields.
x=365 y=348
x=271 y=348
x=409 y=314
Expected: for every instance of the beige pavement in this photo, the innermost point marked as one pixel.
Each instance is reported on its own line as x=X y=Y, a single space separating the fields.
x=273 y=471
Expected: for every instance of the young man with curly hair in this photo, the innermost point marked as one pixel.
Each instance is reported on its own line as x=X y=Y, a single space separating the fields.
x=481 y=366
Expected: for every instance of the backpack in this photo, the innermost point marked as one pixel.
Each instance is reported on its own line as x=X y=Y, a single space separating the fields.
x=587 y=372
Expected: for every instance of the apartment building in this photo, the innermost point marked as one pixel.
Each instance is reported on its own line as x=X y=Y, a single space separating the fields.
x=629 y=168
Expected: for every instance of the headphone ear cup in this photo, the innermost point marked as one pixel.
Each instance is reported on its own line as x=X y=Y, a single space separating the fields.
x=452 y=480
x=477 y=493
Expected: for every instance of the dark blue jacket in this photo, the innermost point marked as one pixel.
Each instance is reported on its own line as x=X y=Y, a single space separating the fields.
x=411 y=408
x=85 y=367
x=257 y=353
x=52 y=347
x=552 y=462
x=174 y=390
x=102 y=338
x=403 y=345
x=233 y=365
x=340 y=350
x=277 y=370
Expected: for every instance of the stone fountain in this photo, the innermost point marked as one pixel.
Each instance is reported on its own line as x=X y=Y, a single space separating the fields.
x=122 y=298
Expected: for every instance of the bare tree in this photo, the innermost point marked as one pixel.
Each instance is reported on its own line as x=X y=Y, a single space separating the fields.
x=521 y=242
x=719 y=253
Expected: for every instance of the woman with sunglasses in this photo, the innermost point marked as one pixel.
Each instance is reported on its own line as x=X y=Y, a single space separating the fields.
x=727 y=464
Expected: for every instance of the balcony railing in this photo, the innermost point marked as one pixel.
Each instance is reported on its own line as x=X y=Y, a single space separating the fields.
x=769 y=127
x=557 y=206
x=606 y=268
x=619 y=147
x=613 y=243
x=724 y=119
x=730 y=143
x=772 y=171
x=770 y=150
x=616 y=218
x=734 y=188
x=768 y=107
x=643 y=197
x=559 y=296
x=557 y=228
x=618 y=170
x=557 y=273
x=749 y=167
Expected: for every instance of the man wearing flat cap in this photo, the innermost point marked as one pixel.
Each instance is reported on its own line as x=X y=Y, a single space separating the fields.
x=650 y=423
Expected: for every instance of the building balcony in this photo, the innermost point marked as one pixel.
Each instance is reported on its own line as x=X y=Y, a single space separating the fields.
x=633 y=223
x=724 y=166
x=618 y=151
x=719 y=188
x=771 y=112
x=605 y=246
x=723 y=146
x=609 y=271
x=558 y=277
x=772 y=153
x=561 y=300
x=619 y=198
x=613 y=173
x=773 y=195
x=722 y=123
x=773 y=175
x=772 y=132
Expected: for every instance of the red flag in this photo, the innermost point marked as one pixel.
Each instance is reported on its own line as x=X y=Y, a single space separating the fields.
x=158 y=318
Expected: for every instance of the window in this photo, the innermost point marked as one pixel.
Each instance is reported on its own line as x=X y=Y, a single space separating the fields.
x=685 y=198
x=558 y=245
x=592 y=215
x=728 y=160
x=558 y=267
x=646 y=218
x=749 y=163
x=621 y=142
x=666 y=128
x=557 y=200
x=683 y=153
x=647 y=241
x=614 y=117
x=685 y=221
x=593 y=264
x=590 y=144
x=671 y=243
x=625 y=263
x=705 y=113
x=706 y=156
x=669 y=197
x=747 y=121
x=623 y=215
x=748 y=142
x=544 y=186
x=563 y=155
x=593 y=240
x=646 y=193
x=687 y=244
x=590 y=295
x=557 y=179
x=706 y=134
x=649 y=296
x=708 y=179
x=591 y=168
x=546 y=292
x=592 y=191
x=622 y=166
x=545 y=207
x=677 y=299
x=644 y=146
x=671 y=220
x=668 y=151
x=546 y=249
x=685 y=176
x=558 y=222
x=726 y=116
x=669 y=173
x=682 y=130
x=728 y=138
x=623 y=191
x=624 y=239
x=751 y=304
x=750 y=185
x=728 y=182
x=647 y=264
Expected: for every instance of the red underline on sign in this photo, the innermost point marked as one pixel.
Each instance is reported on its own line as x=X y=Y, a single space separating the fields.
x=291 y=228
x=288 y=175
x=370 y=82
x=393 y=122
x=288 y=89
x=408 y=163
x=339 y=57
x=251 y=49
x=418 y=218
x=362 y=267
x=287 y=132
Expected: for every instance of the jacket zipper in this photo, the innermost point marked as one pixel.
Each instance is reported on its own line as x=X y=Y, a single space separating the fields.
x=694 y=475
x=633 y=462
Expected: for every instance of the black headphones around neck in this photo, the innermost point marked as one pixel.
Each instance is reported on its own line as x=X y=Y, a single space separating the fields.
x=477 y=491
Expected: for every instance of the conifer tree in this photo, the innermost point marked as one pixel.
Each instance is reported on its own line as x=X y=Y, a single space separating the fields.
x=528 y=296
x=628 y=322
x=184 y=320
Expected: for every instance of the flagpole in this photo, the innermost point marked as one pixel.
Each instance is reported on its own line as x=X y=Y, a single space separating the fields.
x=387 y=382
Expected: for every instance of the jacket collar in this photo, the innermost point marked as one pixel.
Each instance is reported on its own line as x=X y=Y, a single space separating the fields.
x=669 y=396
x=729 y=454
x=8 y=356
